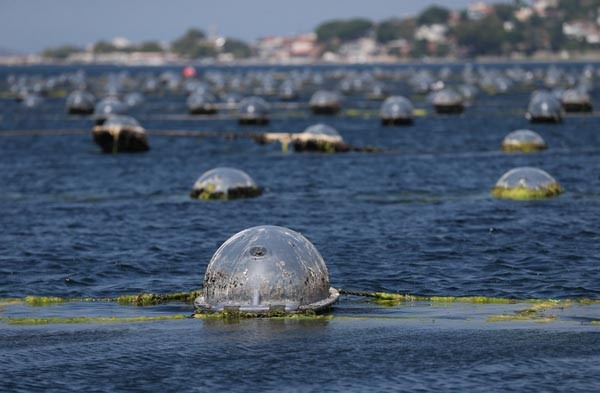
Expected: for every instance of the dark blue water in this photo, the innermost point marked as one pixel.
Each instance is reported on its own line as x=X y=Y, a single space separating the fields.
x=417 y=218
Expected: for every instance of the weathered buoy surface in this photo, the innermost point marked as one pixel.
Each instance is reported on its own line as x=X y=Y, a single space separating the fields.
x=121 y=134
x=544 y=107
x=253 y=111
x=523 y=141
x=320 y=138
x=574 y=100
x=396 y=110
x=225 y=183
x=266 y=270
x=526 y=183
x=80 y=103
x=324 y=102
x=448 y=101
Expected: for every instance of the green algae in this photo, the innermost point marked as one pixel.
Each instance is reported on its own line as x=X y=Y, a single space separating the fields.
x=523 y=194
x=535 y=313
x=70 y=320
x=385 y=298
x=142 y=299
x=209 y=193
x=524 y=147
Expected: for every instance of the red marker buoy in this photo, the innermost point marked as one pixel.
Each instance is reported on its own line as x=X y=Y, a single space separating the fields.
x=189 y=72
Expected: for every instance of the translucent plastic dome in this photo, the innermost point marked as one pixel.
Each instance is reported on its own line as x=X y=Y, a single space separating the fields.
x=123 y=121
x=325 y=98
x=265 y=269
x=575 y=100
x=396 y=108
x=110 y=106
x=201 y=103
x=253 y=110
x=544 y=107
x=526 y=183
x=325 y=102
x=523 y=140
x=253 y=105
x=80 y=102
x=322 y=131
x=134 y=99
x=447 y=97
x=224 y=183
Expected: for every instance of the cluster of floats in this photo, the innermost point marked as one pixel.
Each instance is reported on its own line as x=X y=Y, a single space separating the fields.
x=271 y=270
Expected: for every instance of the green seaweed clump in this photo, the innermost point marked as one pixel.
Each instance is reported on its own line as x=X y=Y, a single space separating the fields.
x=321 y=146
x=524 y=193
x=232 y=193
x=536 y=313
x=523 y=147
x=69 y=320
x=385 y=298
x=151 y=299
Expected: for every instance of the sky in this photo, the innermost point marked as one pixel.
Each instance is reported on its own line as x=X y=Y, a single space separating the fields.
x=29 y=26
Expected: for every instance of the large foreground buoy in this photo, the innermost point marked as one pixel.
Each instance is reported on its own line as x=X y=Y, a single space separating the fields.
x=266 y=270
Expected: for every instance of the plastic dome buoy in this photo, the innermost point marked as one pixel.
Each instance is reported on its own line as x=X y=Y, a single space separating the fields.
x=448 y=101
x=526 y=183
x=266 y=271
x=253 y=111
x=120 y=134
x=325 y=102
x=225 y=183
x=80 y=103
x=320 y=138
x=524 y=141
x=201 y=103
x=396 y=110
x=544 y=107
x=574 y=100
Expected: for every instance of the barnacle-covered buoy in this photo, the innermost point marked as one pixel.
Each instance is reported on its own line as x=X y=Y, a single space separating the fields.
x=523 y=141
x=225 y=183
x=80 y=102
x=120 y=134
x=266 y=271
x=544 y=107
x=396 y=110
x=526 y=183
x=253 y=111
x=321 y=138
x=325 y=102
x=448 y=101
x=574 y=100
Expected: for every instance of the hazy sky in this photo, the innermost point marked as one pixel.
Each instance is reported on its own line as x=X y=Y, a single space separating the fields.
x=32 y=25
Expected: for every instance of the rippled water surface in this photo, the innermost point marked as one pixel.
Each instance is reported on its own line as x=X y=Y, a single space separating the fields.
x=417 y=218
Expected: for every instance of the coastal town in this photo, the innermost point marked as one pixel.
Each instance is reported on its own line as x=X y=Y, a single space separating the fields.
x=540 y=29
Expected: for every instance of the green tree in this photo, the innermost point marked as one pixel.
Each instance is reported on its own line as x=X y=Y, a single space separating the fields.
x=189 y=44
x=482 y=37
x=343 y=30
x=239 y=49
x=393 y=29
x=433 y=15
x=505 y=12
x=149 y=46
x=61 y=52
x=104 y=47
